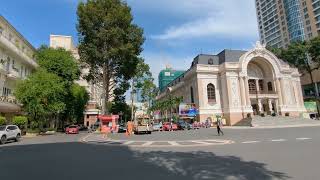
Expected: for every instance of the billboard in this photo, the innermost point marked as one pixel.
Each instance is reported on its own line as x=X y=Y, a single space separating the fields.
x=187 y=110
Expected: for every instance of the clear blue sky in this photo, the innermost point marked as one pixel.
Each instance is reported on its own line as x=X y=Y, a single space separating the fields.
x=175 y=30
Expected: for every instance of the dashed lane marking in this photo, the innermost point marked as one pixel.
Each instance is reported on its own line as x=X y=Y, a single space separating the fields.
x=174 y=143
x=147 y=143
x=302 y=139
x=278 y=140
x=250 y=142
x=128 y=142
x=201 y=142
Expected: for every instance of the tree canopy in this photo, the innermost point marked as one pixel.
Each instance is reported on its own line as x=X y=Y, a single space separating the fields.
x=42 y=95
x=304 y=55
x=109 y=43
x=60 y=62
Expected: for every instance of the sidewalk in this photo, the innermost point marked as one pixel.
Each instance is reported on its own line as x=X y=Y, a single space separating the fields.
x=278 y=122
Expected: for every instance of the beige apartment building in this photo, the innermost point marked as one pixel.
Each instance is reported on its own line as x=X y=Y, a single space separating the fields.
x=284 y=21
x=16 y=62
x=237 y=84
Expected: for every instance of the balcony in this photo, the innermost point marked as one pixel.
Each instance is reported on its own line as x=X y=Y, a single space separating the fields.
x=13 y=74
x=9 y=104
x=263 y=94
x=14 y=49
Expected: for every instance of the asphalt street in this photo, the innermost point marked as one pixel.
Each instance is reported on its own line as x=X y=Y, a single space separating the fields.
x=289 y=153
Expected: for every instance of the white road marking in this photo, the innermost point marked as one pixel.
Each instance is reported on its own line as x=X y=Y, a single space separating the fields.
x=301 y=139
x=278 y=140
x=250 y=142
x=200 y=142
x=173 y=143
x=147 y=143
x=128 y=142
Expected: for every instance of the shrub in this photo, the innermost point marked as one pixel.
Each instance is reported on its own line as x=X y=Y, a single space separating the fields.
x=34 y=125
x=2 y=120
x=20 y=121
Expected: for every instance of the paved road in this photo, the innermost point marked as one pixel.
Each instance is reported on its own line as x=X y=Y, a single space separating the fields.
x=290 y=153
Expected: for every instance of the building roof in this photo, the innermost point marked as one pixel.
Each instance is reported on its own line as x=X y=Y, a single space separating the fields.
x=224 y=56
x=18 y=33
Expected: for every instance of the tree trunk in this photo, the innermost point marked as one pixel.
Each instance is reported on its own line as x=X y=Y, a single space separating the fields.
x=314 y=84
x=316 y=90
x=106 y=90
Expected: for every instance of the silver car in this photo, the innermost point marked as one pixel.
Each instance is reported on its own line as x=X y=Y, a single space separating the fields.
x=9 y=132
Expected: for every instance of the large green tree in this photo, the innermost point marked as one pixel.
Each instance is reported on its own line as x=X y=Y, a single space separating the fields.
x=42 y=96
x=59 y=62
x=109 y=43
x=80 y=98
x=304 y=55
x=62 y=63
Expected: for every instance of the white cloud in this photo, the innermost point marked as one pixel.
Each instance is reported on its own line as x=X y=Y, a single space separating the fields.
x=205 y=18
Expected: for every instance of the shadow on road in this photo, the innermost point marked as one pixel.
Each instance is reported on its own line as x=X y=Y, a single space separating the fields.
x=75 y=161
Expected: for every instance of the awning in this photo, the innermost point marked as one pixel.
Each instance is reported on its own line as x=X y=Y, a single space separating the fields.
x=107 y=118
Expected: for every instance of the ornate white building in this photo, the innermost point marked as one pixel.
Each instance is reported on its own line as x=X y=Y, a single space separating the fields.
x=16 y=63
x=238 y=84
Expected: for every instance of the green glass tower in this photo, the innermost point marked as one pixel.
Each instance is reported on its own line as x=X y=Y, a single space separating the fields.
x=168 y=75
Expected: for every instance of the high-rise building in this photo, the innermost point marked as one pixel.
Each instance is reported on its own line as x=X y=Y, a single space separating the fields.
x=284 y=21
x=16 y=63
x=166 y=76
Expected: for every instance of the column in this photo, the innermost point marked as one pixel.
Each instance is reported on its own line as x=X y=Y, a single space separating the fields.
x=257 y=86
x=242 y=91
x=246 y=87
x=279 y=92
x=260 y=106
x=277 y=106
x=270 y=106
x=283 y=91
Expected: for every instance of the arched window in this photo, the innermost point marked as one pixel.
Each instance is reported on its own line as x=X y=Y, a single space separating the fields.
x=252 y=86
x=211 y=91
x=270 y=86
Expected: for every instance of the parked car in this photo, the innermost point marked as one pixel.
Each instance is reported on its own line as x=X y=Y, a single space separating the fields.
x=73 y=129
x=157 y=127
x=166 y=126
x=122 y=128
x=182 y=125
x=9 y=132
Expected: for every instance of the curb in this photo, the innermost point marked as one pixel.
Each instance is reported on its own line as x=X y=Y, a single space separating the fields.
x=273 y=127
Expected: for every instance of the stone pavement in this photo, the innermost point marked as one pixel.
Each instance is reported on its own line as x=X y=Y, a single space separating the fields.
x=279 y=121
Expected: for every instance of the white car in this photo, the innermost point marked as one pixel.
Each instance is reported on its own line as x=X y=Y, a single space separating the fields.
x=9 y=132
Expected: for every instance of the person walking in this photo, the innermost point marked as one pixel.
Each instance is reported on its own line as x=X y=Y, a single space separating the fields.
x=171 y=125
x=219 y=126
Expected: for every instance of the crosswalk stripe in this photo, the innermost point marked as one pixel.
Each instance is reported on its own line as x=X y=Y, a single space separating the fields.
x=174 y=143
x=200 y=142
x=278 y=140
x=303 y=139
x=250 y=142
x=128 y=142
x=147 y=143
